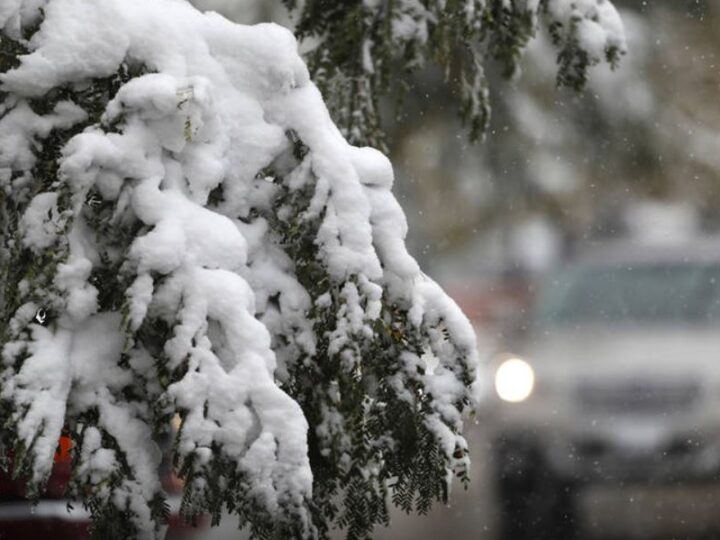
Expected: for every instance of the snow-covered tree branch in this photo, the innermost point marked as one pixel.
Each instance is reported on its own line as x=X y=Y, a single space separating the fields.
x=186 y=234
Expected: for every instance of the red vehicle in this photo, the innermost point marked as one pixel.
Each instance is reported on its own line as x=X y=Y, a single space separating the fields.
x=54 y=517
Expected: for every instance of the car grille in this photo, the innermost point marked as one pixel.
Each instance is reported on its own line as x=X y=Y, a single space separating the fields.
x=638 y=397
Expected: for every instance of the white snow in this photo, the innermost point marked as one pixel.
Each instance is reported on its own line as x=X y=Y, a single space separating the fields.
x=42 y=385
x=212 y=112
x=13 y=13
x=21 y=125
x=39 y=223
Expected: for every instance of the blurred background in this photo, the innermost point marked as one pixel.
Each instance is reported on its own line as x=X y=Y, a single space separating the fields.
x=579 y=239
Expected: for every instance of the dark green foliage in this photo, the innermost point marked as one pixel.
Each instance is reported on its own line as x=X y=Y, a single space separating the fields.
x=507 y=28
x=10 y=51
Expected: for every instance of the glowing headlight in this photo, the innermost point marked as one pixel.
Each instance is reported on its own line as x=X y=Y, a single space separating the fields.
x=514 y=380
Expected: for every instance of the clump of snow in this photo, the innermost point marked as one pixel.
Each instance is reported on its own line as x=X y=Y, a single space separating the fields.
x=596 y=25
x=39 y=223
x=14 y=14
x=21 y=126
x=42 y=386
x=212 y=112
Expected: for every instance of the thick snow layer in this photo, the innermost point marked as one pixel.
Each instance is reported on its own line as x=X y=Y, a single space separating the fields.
x=212 y=111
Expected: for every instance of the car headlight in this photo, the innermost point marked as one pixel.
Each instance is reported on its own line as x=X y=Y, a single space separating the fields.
x=514 y=380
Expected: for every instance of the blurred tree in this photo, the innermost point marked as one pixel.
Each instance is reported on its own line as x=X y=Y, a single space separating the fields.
x=359 y=47
x=579 y=163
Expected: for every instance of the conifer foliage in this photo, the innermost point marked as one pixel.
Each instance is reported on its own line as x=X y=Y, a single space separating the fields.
x=361 y=45
x=188 y=238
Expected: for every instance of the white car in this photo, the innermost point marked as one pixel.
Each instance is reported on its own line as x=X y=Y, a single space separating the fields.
x=614 y=377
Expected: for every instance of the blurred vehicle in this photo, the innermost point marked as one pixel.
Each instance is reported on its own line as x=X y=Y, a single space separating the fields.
x=613 y=378
x=54 y=516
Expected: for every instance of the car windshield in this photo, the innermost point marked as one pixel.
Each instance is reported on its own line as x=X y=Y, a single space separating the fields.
x=647 y=293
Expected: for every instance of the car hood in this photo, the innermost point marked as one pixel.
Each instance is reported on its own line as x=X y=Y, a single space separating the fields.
x=594 y=353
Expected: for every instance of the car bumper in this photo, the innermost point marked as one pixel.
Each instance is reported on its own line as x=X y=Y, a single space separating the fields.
x=46 y=519
x=597 y=461
x=681 y=458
